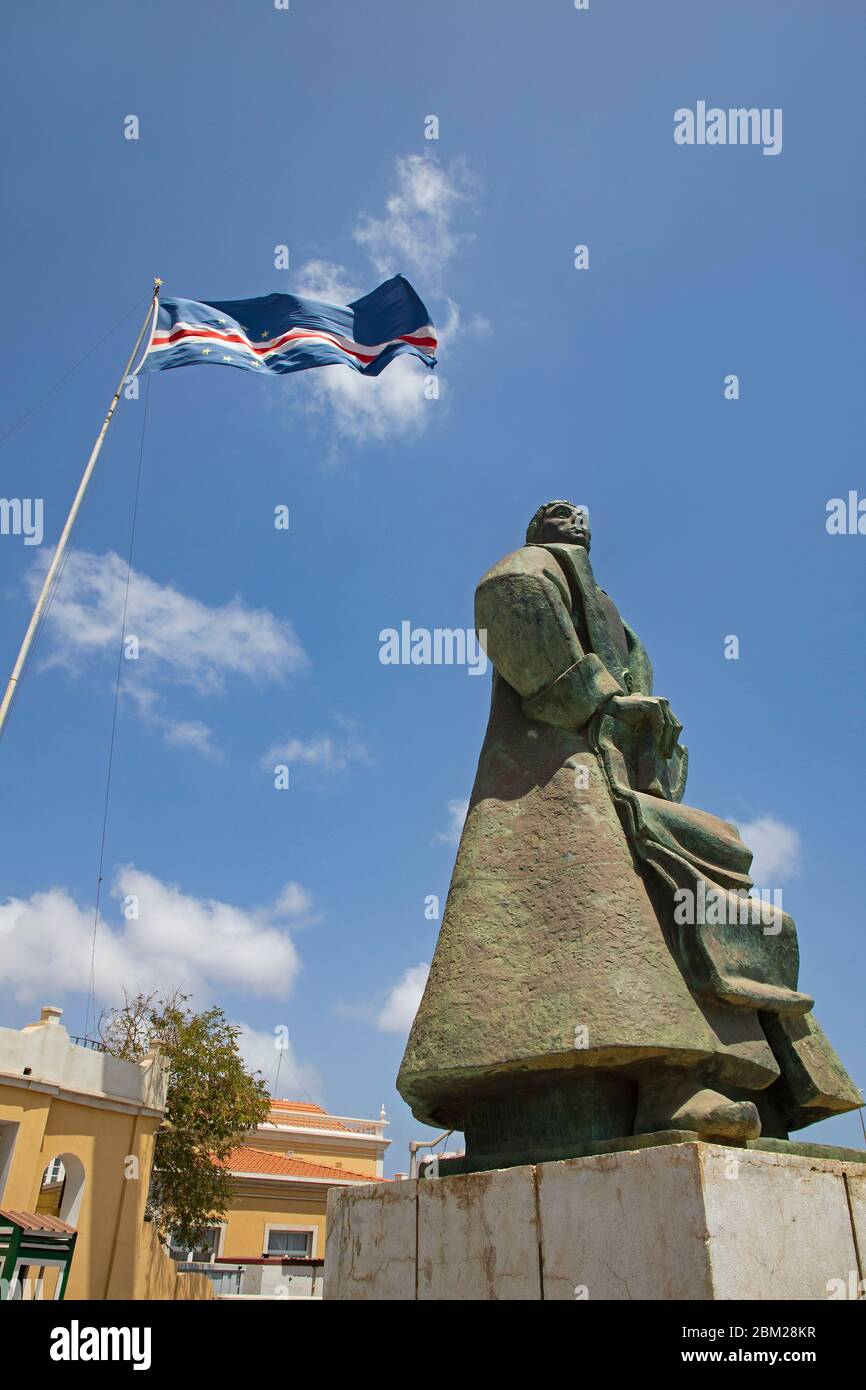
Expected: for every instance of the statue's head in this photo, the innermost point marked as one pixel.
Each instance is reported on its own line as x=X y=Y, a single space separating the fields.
x=562 y=522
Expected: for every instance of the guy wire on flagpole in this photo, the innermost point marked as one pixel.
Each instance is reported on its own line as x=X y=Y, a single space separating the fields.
x=60 y=548
x=68 y=373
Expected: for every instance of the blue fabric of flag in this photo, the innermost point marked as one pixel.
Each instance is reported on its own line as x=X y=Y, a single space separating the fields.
x=286 y=333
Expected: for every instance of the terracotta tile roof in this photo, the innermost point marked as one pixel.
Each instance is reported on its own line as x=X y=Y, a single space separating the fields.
x=279 y=1117
x=36 y=1221
x=248 y=1160
x=304 y=1115
x=305 y=1105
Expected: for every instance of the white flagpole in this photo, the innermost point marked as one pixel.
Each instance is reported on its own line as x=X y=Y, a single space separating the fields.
x=70 y=520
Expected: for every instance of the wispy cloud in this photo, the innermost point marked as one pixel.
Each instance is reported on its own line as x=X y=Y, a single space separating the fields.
x=324 y=280
x=403 y=999
x=368 y=409
x=191 y=734
x=179 y=641
x=273 y=1055
x=457 y=811
x=418 y=234
x=777 y=849
x=418 y=231
x=294 y=902
x=321 y=751
x=180 y=638
x=166 y=939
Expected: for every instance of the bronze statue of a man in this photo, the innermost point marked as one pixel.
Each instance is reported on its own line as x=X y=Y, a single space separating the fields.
x=581 y=992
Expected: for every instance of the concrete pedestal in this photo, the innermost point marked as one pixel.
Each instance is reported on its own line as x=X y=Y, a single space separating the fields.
x=679 y=1221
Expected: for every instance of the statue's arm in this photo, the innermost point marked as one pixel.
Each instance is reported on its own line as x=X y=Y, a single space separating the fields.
x=523 y=618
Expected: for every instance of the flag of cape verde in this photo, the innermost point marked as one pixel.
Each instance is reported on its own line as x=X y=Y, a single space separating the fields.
x=283 y=333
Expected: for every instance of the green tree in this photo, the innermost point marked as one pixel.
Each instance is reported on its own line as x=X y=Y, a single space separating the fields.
x=212 y=1099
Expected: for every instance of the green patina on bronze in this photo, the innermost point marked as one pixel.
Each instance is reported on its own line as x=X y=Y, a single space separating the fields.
x=567 y=1005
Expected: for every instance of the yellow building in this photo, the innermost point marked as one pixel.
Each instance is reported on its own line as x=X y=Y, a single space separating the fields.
x=272 y=1241
x=76 y=1143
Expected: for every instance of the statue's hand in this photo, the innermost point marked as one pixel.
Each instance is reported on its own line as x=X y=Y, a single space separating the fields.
x=651 y=710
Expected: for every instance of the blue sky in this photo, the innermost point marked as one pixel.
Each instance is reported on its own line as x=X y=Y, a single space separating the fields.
x=305 y=128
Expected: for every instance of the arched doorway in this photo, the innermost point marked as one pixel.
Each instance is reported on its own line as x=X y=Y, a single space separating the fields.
x=62 y=1188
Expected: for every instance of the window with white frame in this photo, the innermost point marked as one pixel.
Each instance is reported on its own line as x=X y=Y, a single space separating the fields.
x=294 y=1243
x=55 y=1172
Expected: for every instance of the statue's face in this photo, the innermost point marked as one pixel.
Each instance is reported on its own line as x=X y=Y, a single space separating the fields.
x=566 y=525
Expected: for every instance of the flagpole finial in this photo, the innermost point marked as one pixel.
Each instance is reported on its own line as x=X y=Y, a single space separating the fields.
x=156 y=284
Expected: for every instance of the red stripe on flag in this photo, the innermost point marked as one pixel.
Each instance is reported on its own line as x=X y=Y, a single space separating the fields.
x=294 y=335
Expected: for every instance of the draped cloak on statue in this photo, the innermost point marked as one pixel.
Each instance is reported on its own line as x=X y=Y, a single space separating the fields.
x=560 y=945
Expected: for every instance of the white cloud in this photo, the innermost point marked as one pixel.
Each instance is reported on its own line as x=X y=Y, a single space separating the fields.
x=776 y=847
x=417 y=235
x=273 y=1055
x=181 y=641
x=176 y=941
x=479 y=326
x=321 y=751
x=457 y=811
x=403 y=999
x=418 y=232
x=191 y=734
x=372 y=408
x=387 y=407
x=293 y=901
x=324 y=280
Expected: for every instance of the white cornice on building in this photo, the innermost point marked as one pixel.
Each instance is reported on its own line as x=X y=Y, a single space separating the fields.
x=301 y=1179
x=344 y=1136
x=362 y=1126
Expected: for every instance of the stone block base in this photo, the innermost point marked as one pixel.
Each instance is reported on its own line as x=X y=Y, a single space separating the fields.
x=681 y=1221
